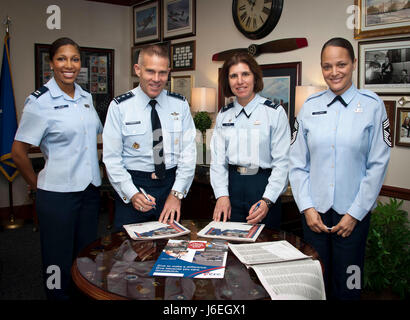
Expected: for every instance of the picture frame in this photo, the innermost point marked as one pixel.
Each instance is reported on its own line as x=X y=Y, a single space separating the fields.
x=96 y=75
x=391 y=112
x=280 y=81
x=183 y=56
x=147 y=22
x=183 y=85
x=178 y=19
x=373 y=19
x=384 y=66
x=135 y=51
x=403 y=127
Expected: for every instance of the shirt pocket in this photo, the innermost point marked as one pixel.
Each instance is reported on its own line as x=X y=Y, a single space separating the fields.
x=172 y=132
x=134 y=139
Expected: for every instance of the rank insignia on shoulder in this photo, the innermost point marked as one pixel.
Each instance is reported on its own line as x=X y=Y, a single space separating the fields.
x=295 y=130
x=176 y=95
x=39 y=92
x=269 y=103
x=123 y=97
x=386 y=132
x=227 y=107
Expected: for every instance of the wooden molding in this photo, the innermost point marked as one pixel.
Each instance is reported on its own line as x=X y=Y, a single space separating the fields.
x=395 y=192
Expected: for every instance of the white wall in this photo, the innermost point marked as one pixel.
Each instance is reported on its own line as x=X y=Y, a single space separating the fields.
x=108 y=26
x=90 y=24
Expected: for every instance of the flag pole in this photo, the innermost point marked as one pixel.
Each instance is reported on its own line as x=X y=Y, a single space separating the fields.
x=12 y=222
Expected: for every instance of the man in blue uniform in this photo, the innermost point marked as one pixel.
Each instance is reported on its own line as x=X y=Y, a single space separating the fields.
x=149 y=145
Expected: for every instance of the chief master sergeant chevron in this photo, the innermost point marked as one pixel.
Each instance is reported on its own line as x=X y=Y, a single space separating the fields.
x=149 y=143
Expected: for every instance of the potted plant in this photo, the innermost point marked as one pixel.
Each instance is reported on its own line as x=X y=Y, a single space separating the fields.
x=202 y=122
x=387 y=258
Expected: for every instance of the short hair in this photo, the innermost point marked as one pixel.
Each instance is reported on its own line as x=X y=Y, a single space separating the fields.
x=153 y=50
x=339 y=42
x=59 y=43
x=253 y=66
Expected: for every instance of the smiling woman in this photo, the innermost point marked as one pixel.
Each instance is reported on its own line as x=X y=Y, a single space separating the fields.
x=60 y=118
x=66 y=64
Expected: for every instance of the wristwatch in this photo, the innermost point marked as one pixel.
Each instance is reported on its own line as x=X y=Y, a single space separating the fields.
x=268 y=202
x=178 y=195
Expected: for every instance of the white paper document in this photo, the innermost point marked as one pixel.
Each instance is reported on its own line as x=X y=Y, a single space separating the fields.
x=284 y=271
x=155 y=230
x=238 y=231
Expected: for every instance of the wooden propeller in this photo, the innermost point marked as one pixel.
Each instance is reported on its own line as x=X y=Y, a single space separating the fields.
x=275 y=46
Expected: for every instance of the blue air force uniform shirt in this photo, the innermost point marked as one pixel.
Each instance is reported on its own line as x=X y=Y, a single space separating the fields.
x=339 y=155
x=253 y=136
x=66 y=131
x=127 y=139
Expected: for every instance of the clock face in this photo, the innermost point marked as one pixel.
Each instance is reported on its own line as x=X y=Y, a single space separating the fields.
x=256 y=18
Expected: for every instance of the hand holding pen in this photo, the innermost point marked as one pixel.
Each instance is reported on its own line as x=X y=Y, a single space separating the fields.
x=143 y=202
x=147 y=198
x=257 y=212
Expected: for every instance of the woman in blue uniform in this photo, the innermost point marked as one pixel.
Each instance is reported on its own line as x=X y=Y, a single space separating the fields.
x=338 y=160
x=60 y=118
x=250 y=148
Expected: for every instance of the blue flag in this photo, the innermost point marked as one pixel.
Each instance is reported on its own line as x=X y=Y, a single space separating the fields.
x=8 y=116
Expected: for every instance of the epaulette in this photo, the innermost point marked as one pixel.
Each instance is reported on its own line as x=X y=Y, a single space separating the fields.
x=123 y=97
x=270 y=104
x=369 y=94
x=315 y=95
x=227 y=107
x=176 y=95
x=39 y=92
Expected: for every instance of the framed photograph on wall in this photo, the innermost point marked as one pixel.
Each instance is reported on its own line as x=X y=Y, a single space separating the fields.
x=384 y=66
x=147 y=22
x=403 y=127
x=374 y=18
x=182 y=85
x=183 y=56
x=279 y=81
x=391 y=112
x=179 y=18
x=135 y=51
x=96 y=75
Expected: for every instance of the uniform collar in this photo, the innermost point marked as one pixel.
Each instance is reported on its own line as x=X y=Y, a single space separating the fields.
x=347 y=96
x=55 y=90
x=143 y=97
x=248 y=109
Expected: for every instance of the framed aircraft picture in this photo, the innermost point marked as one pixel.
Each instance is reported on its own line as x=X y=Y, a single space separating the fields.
x=179 y=18
x=147 y=22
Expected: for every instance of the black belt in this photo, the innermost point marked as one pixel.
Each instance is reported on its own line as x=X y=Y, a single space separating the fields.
x=151 y=175
x=248 y=171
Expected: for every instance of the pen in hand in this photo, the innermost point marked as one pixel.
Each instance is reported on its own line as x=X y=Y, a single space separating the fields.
x=257 y=206
x=146 y=196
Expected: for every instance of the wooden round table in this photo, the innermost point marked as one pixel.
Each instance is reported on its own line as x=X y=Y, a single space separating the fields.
x=116 y=268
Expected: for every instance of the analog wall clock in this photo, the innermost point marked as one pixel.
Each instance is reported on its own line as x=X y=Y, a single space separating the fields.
x=256 y=18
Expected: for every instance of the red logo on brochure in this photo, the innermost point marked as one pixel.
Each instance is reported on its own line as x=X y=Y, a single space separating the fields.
x=197 y=245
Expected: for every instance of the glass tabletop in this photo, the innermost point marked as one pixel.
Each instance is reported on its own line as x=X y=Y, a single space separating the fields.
x=117 y=267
